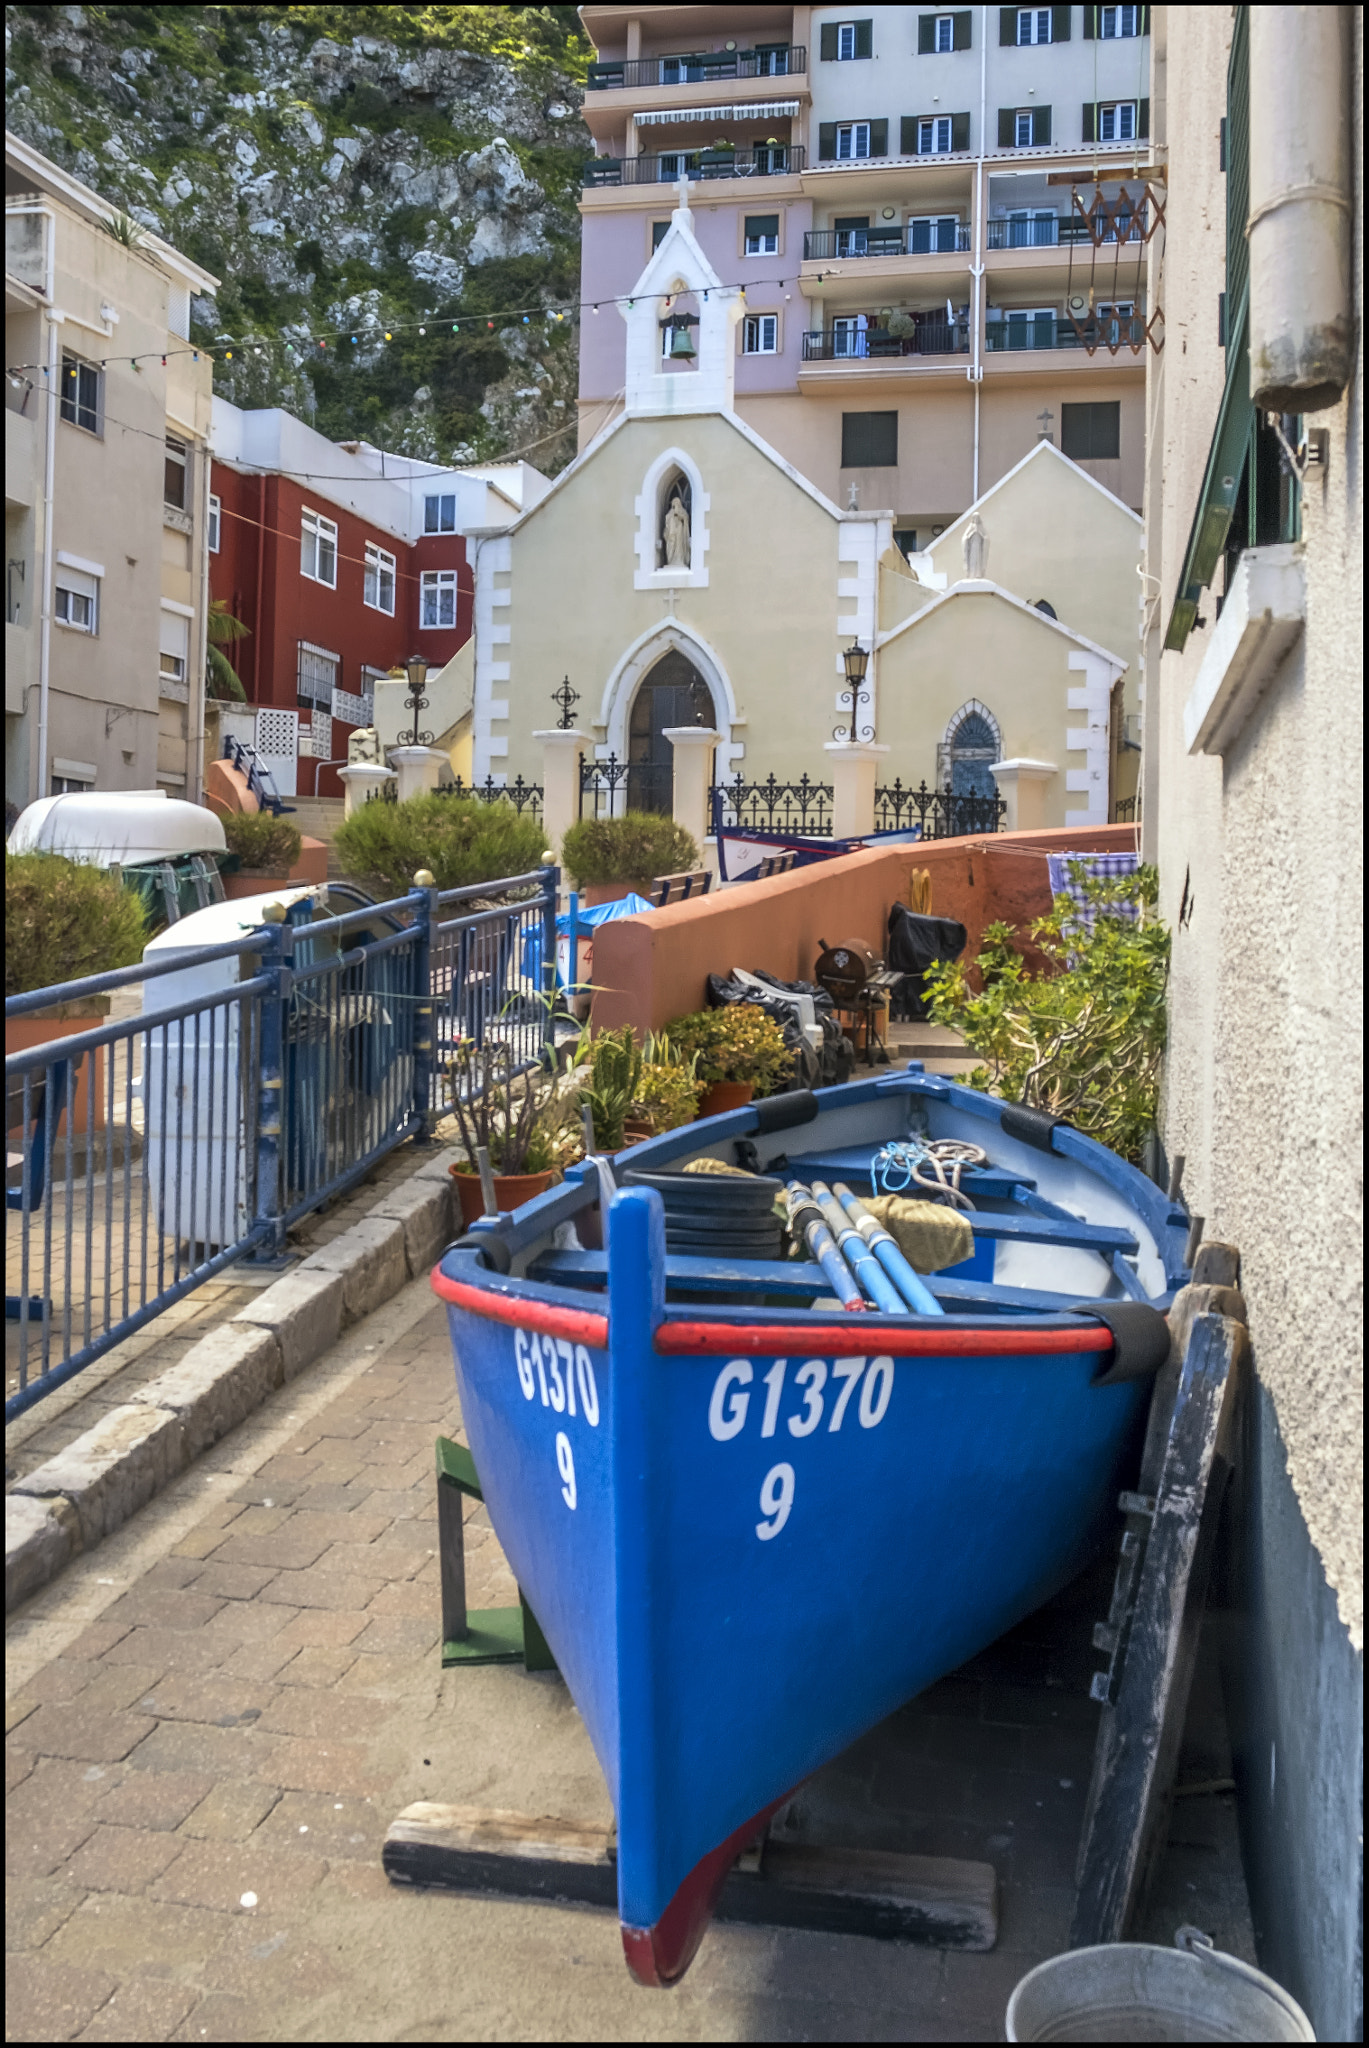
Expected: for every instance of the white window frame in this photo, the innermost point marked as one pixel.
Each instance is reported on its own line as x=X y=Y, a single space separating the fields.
x=1021 y=119
x=380 y=565
x=852 y=134
x=179 y=671
x=1031 y=218
x=1117 y=110
x=215 y=522
x=1117 y=24
x=435 y=584
x=178 y=452
x=761 y=245
x=318 y=548
x=755 y=327
x=69 y=593
x=1037 y=22
x=439 y=499
x=929 y=133
x=943 y=36
x=846 y=41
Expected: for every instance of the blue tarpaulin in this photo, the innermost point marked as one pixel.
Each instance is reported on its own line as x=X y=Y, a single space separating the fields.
x=586 y=923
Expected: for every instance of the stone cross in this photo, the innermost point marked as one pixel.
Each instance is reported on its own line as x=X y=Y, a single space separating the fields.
x=1045 y=416
x=682 y=192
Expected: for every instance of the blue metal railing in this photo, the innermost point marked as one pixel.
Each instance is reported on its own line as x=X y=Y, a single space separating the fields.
x=262 y=1078
x=260 y=780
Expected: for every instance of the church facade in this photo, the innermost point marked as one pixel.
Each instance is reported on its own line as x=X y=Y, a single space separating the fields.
x=681 y=572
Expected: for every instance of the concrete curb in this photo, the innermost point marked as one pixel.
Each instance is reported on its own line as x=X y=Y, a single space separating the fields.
x=88 y=1490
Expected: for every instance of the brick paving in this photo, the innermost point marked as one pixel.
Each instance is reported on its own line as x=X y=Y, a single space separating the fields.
x=212 y=1719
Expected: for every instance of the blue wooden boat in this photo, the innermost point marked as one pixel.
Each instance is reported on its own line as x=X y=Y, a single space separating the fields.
x=749 y=1531
x=743 y=848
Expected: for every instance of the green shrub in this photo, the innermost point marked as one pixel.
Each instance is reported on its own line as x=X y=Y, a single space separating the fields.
x=262 y=841
x=737 y=1043
x=668 y=1096
x=460 y=839
x=1084 y=1040
x=63 y=921
x=634 y=848
x=615 y=1062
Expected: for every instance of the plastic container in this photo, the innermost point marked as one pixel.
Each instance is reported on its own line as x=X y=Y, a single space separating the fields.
x=1132 y=1991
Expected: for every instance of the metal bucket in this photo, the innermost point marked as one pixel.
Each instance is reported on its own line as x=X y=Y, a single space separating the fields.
x=1131 y=1991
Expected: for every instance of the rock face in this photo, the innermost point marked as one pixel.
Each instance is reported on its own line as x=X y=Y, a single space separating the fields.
x=342 y=183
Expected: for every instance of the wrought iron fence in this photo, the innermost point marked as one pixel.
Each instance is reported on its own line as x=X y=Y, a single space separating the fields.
x=609 y=787
x=524 y=796
x=1126 y=810
x=262 y=1077
x=802 y=807
x=942 y=813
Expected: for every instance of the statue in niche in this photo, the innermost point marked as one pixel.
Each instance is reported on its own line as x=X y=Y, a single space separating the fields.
x=675 y=528
x=363 y=747
x=976 y=547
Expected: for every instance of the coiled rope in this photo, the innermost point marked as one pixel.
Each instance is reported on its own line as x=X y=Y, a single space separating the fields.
x=931 y=1166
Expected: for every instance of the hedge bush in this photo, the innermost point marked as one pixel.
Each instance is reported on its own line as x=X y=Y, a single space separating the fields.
x=737 y=1043
x=460 y=839
x=634 y=848
x=262 y=841
x=63 y=921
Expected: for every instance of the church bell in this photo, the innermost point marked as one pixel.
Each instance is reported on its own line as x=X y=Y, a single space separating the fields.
x=681 y=347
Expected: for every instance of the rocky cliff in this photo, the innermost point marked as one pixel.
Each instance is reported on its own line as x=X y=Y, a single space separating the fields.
x=344 y=170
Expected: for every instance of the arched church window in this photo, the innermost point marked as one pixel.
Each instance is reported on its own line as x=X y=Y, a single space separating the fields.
x=675 y=522
x=972 y=741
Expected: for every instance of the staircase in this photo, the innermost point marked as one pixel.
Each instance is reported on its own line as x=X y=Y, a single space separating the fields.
x=318 y=817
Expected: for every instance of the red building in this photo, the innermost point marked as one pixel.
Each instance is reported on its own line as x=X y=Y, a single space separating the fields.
x=339 y=569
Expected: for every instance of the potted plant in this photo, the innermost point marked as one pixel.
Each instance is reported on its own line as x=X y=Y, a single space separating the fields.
x=609 y=858
x=267 y=848
x=740 y=1053
x=668 y=1090
x=522 y=1132
x=64 y=921
x=459 y=839
x=615 y=1071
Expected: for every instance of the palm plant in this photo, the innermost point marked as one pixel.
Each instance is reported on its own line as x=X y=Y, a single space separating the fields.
x=123 y=228
x=222 y=629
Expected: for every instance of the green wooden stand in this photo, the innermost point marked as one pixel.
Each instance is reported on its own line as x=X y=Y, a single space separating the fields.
x=495 y=1635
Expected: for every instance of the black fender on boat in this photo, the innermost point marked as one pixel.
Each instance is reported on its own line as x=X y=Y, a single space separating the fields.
x=1032 y=1126
x=785 y=1112
x=490 y=1247
x=1140 y=1338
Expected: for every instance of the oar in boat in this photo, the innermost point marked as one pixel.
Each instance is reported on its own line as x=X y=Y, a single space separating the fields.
x=914 y=1289
x=805 y=1214
x=871 y=1277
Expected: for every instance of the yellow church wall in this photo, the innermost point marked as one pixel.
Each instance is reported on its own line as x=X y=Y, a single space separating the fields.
x=769 y=612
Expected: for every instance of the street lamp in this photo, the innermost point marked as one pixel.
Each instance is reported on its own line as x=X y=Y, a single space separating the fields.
x=416 y=669
x=856 y=660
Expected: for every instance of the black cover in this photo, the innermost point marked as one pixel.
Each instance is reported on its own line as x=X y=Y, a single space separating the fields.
x=1140 y=1337
x=1032 y=1126
x=493 y=1251
x=784 y=1112
x=915 y=944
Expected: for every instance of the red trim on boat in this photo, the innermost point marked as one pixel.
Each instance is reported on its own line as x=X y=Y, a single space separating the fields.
x=712 y=1340
x=547 y=1317
x=660 y=1955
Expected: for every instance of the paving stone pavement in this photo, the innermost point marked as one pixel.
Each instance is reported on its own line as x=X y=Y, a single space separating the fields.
x=212 y=1719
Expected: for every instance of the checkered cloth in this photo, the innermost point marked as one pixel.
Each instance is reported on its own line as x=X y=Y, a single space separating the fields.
x=1099 y=867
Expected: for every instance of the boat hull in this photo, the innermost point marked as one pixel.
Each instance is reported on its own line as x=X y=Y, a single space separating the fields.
x=749 y=1539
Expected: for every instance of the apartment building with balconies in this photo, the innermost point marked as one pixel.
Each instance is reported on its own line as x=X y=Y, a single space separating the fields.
x=107 y=412
x=940 y=220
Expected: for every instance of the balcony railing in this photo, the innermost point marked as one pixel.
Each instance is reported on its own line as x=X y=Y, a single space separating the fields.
x=1049 y=332
x=1066 y=232
x=916 y=239
x=932 y=338
x=609 y=74
x=766 y=160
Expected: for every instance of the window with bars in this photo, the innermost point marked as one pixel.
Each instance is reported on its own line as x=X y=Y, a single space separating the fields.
x=316 y=676
x=83 y=390
x=176 y=484
x=437 y=598
x=378 y=585
x=318 y=549
x=439 y=513
x=760 y=334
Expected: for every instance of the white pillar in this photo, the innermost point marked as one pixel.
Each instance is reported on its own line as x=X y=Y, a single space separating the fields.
x=855 y=764
x=359 y=779
x=562 y=752
x=417 y=768
x=693 y=749
x=1023 y=784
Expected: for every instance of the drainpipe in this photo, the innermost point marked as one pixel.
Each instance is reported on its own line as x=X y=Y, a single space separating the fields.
x=54 y=321
x=976 y=372
x=195 y=710
x=1301 y=323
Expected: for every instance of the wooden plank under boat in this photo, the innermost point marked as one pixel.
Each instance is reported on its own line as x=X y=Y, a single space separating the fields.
x=751 y=1525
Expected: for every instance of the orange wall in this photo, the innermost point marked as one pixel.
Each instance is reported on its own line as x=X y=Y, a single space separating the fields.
x=651 y=968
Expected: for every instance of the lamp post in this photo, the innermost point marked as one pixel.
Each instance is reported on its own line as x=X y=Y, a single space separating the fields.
x=857 y=660
x=416 y=669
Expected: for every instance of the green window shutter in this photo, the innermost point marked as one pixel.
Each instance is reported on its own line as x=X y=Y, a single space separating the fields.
x=1041 y=126
x=960 y=131
x=1145 y=21
x=1060 y=24
x=865 y=38
x=879 y=138
x=1143 y=119
x=827 y=42
x=1007 y=26
x=1090 y=120
x=926 y=35
x=827 y=140
x=907 y=135
x=869 y=440
x=1007 y=127
x=963 y=29
x=1235 y=427
x=1090 y=29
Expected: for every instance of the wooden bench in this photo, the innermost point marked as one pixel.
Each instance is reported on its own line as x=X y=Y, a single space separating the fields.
x=679 y=888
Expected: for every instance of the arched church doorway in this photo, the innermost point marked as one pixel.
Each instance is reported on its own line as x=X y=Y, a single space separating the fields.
x=672 y=692
x=972 y=741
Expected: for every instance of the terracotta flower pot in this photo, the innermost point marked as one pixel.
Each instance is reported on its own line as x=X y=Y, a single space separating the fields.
x=511 y=1190
x=610 y=892
x=47 y=1027
x=725 y=1095
x=636 y=1129
x=254 y=882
